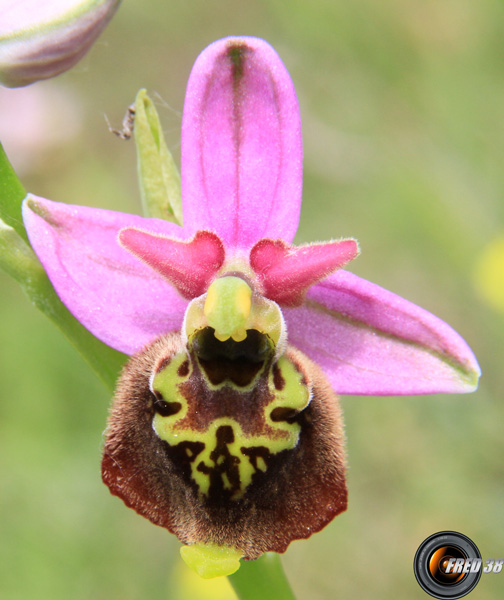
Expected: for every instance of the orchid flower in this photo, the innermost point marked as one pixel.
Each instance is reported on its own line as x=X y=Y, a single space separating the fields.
x=225 y=427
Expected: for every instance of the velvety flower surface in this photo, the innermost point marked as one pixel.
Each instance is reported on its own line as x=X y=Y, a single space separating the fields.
x=225 y=426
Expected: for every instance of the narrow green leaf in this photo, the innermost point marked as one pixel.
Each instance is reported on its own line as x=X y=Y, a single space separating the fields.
x=158 y=175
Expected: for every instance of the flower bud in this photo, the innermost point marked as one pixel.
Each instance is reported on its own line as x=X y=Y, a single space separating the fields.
x=39 y=40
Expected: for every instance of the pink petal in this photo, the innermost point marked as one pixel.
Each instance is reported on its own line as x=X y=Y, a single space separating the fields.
x=241 y=144
x=286 y=272
x=188 y=266
x=371 y=341
x=122 y=301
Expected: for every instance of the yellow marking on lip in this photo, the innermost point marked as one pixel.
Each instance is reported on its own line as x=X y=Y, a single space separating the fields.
x=166 y=429
x=261 y=465
x=275 y=437
x=295 y=394
x=166 y=382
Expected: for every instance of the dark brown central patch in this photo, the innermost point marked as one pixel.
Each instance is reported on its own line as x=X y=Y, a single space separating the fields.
x=238 y=362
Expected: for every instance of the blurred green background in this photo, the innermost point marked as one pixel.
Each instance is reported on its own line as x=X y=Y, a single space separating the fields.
x=402 y=104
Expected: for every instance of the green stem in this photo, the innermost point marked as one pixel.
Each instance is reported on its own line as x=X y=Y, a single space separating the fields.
x=19 y=261
x=11 y=196
x=262 y=579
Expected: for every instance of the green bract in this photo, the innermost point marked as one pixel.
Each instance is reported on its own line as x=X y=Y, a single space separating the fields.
x=158 y=175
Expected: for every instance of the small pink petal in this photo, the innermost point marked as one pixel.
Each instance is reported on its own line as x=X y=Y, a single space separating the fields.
x=241 y=144
x=373 y=342
x=188 y=266
x=122 y=301
x=286 y=272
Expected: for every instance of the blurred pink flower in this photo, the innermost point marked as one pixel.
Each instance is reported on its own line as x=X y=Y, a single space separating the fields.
x=35 y=123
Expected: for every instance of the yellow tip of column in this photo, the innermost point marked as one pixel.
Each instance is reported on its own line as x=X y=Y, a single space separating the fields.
x=227 y=307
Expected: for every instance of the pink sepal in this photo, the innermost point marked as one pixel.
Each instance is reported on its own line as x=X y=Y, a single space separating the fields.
x=286 y=272
x=189 y=266
x=121 y=300
x=241 y=144
x=373 y=342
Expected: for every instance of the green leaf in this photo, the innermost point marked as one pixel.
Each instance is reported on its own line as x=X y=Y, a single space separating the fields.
x=158 y=175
